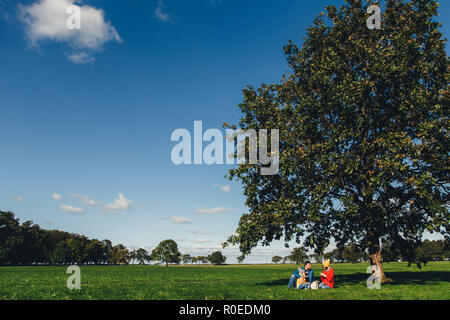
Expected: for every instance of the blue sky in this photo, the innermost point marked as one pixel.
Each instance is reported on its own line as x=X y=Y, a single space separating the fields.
x=86 y=120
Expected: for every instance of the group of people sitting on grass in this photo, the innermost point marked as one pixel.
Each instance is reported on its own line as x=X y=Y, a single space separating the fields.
x=303 y=278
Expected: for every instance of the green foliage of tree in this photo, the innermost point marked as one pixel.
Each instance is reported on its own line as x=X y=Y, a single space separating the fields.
x=10 y=237
x=142 y=256
x=186 y=258
x=298 y=255
x=217 y=258
x=363 y=122
x=390 y=253
x=95 y=252
x=62 y=253
x=351 y=253
x=202 y=259
x=416 y=252
x=27 y=244
x=277 y=259
x=167 y=252
x=334 y=255
x=119 y=254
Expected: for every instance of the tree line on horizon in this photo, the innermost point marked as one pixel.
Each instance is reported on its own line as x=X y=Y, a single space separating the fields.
x=419 y=253
x=28 y=244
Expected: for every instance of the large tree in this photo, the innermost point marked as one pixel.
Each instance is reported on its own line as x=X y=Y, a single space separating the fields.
x=119 y=254
x=217 y=258
x=95 y=252
x=363 y=122
x=167 y=252
x=276 y=259
x=142 y=256
x=10 y=238
x=298 y=255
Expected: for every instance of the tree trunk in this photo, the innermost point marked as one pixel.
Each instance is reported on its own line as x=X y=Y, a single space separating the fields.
x=376 y=257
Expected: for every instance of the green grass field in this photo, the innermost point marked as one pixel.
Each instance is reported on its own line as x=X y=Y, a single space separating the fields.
x=220 y=282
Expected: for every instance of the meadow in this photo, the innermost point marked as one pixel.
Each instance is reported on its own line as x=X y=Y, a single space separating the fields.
x=209 y=282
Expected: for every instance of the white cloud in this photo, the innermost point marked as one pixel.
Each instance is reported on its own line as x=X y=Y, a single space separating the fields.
x=19 y=199
x=85 y=199
x=161 y=14
x=216 y=210
x=202 y=240
x=201 y=249
x=56 y=196
x=120 y=204
x=71 y=209
x=199 y=232
x=180 y=220
x=80 y=57
x=6 y=8
x=225 y=188
x=47 y=20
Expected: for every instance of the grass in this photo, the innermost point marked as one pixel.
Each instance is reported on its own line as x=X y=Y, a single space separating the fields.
x=220 y=282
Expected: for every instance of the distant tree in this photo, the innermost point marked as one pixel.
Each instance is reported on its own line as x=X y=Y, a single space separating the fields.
x=286 y=259
x=217 y=258
x=415 y=251
x=77 y=245
x=142 y=256
x=422 y=255
x=434 y=248
x=95 y=252
x=390 y=252
x=62 y=253
x=186 y=258
x=316 y=257
x=119 y=254
x=446 y=253
x=202 y=259
x=31 y=250
x=167 y=252
x=29 y=244
x=420 y=252
x=276 y=259
x=132 y=255
x=10 y=238
x=298 y=255
x=194 y=259
x=335 y=255
x=107 y=247
x=351 y=253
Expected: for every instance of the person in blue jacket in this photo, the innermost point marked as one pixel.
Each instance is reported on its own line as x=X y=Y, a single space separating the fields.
x=306 y=272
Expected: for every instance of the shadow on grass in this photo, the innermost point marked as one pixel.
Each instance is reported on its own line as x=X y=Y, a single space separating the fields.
x=399 y=278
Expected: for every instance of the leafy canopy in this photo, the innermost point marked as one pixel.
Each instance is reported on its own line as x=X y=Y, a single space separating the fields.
x=217 y=258
x=363 y=119
x=167 y=252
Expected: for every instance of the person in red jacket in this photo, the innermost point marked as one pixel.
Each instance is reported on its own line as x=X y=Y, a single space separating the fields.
x=327 y=276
